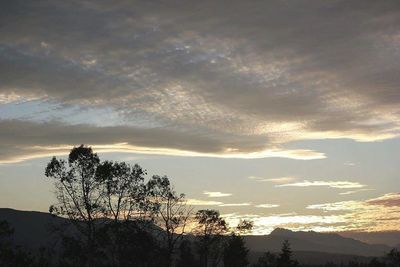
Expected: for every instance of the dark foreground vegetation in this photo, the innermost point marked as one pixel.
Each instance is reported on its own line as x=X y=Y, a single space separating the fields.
x=117 y=218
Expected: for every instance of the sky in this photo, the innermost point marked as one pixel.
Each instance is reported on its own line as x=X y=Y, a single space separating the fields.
x=283 y=112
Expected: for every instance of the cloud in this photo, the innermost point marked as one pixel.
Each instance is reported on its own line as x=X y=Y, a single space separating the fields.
x=377 y=214
x=199 y=202
x=216 y=194
x=332 y=184
x=336 y=206
x=249 y=81
x=387 y=200
x=22 y=140
x=235 y=204
x=265 y=224
x=267 y=206
x=278 y=180
x=355 y=191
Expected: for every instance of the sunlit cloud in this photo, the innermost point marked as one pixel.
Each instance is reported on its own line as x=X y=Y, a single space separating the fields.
x=23 y=140
x=175 y=73
x=332 y=184
x=7 y=98
x=387 y=200
x=267 y=206
x=377 y=214
x=199 y=202
x=278 y=180
x=265 y=224
x=235 y=204
x=356 y=191
x=33 y=152
x=216 y=194
x=337 y=206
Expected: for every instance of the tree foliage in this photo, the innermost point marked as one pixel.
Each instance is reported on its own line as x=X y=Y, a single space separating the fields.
x=268 y=259
x=79 y=194
x=123 y=190
x=172 y=213
x=235 y=252
x=186 y=256
x=210 y=229
x=285 y=257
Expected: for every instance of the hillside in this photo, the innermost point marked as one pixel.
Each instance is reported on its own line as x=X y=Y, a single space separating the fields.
x=316 y=257
x=34 y=229
x=313 y=241
x=390 y=238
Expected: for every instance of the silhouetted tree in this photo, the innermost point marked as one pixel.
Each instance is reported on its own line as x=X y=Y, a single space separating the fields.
x=244 y=227
x=123 y=191
x=266 y=260
x=123 y=198
x=285 y=257
x=376 y=263
x=186 y=257
x=5 y=231
x=96 y=196
x=73 y=252
x=209 y=231
x=354 y=263
x=6 y=252
x=235 y=251
x=78 y=193
x=15 y=256
x=172 y=213
x=393 y=258
x=135 y=247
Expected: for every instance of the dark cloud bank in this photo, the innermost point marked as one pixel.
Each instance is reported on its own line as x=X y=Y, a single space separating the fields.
x=212 y=77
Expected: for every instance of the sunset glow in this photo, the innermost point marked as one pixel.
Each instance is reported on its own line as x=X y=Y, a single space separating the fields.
x=285 y=113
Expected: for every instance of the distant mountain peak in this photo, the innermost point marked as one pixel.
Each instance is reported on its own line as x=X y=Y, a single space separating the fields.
x=286 y=232
x=281 y=231
x=32 y=231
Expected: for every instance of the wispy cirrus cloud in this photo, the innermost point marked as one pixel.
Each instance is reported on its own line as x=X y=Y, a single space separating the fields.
x=199 y=202
x=265 y=224
x=356 y=191
x=278 y=180
x=267 y=206
x=336 y=206
x=387 y=200
x=22 y=140
x=331 y=184
x=216 y=194
x=245 y=204
x=376 y=214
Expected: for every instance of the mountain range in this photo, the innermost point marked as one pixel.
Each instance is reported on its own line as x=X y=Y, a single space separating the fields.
x=314 y=241
x=34 y=229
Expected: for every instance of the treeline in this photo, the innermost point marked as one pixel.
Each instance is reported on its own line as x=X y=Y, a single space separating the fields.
x=139 y=249
x=116 y=218
x=392 y=259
